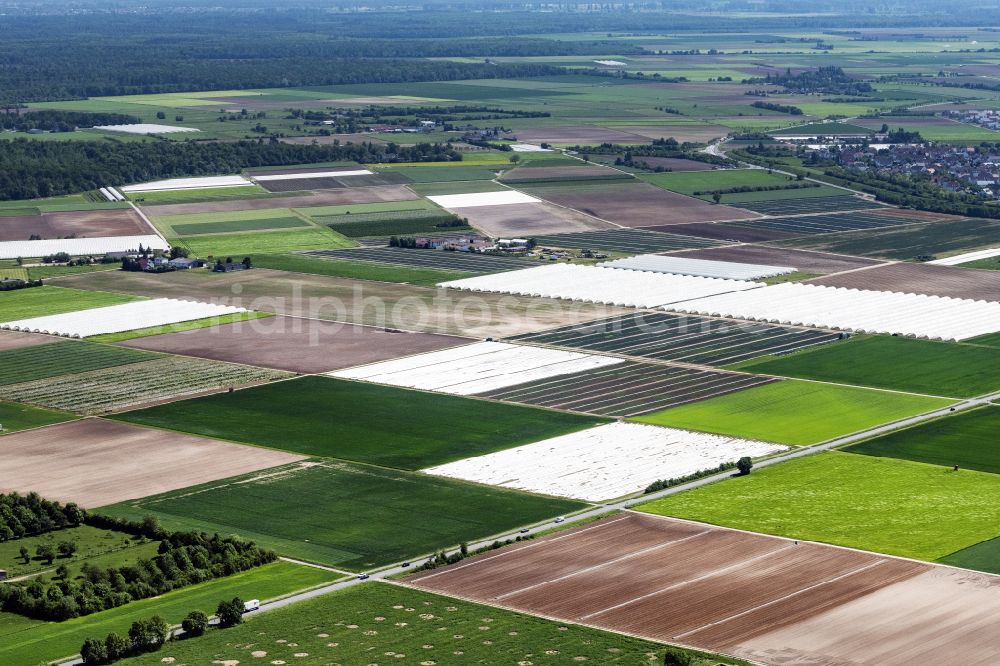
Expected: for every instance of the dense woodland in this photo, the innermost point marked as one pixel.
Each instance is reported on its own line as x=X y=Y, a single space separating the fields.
x=30 y=169
x=25 y=515
x=53 y=120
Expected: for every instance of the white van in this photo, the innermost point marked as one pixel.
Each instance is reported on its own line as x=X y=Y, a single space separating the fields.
x=251 y=605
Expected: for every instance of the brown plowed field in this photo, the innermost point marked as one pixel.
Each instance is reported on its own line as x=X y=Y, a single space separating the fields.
x=95 y=462
x=384 y=305
x=637 y=204
x=351 y=195
x=578 y=135
x=298 y=345
x=82 y=223
x=802 y=260
x=685 y=132
x=675 y=163
x=922 y=279
x=530 y=219
x=17 y=340
x=924 y=215
x=581 y=172
x=942 y=616
x=671 y=580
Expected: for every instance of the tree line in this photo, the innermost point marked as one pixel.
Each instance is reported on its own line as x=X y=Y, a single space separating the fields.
x=31 y=514
x=31 y=169
x=56 y=120
x=184 y=558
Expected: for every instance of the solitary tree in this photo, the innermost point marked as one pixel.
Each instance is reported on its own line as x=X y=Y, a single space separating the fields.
x=67 y=548
x=46 y=552
x=230 y=612
x=195 y=623
x=94 y=651
x=24 y=554
x=743 y=465
x=515 y=158
x=677 y=658
x=716 y=197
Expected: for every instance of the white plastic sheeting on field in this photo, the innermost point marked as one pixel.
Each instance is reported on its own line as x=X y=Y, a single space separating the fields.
x=188 y=184
x=862 y=311
x=118 y=318
x=476 y=368
x=596 y=284
x=605 y=462
x=680 y=265
x=967 y=257
x=528 y=148
x=78 y=247
x=146 y=128
x=298 y=175
x=474 y=199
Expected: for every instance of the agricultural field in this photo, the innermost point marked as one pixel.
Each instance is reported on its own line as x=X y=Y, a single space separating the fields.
x=947 y=281
x=19 y=340
x=322 y=416
x=56 y=359
x=658 y=578
x=629 y=241
x=116 y=388
x=827 y=224
x=795 y=412
x=243 y=244
x=635 y=204
x=406 y=307
x=30 y=642
x=69 y=224
x=325 y=498
x=597 y=284
x=818 y=263
x=295 y=345
x=966 y=440
x=15 y=417
x=703 y=183
x=683 y=338
x=894 y=363
x=626 y=389
x=58 y=461
x=477 y=368
x=179 y=327
x=841 y=498
x=315 y=265
x=42 y=301
x=467 y=262
x=908 y=241
x=802 y=206
x=601 y=463
x=358 y=622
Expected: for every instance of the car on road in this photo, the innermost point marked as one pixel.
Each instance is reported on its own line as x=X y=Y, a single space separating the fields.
x=252 y=605
x=405 y=564
x=560 y=519
x=524 y=530
x=364 y=577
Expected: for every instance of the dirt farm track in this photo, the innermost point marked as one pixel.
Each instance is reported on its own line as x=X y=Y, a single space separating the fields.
x=764 y=598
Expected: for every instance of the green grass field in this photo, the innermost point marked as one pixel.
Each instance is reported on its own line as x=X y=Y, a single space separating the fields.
x=354 y=625
x=968 y=440
x=888 y=506
x=823 y=129
x=902 y=364
x=24 y=641
x=989 y=340
x=444 y=174
x=689 y=182
x=203 y=194
x=460 y=187
x=382 y=425
x=345 y=515
x=42 y=301
x=47 y=272
x=64 y=357
x=990 y=264
x=14 y=417
x=235 y=226
x=794 y=412
x=267 y=242
x=178 y=327
x=984 y=556
x=95 y=546
x=356 y=270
